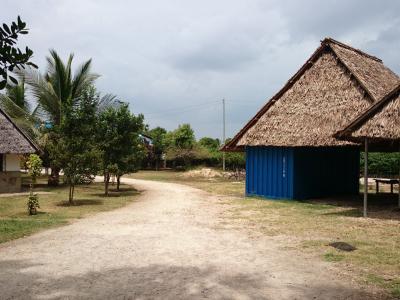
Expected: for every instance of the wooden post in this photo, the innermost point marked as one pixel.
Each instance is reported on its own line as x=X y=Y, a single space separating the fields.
x=399 y=176
x=365 y=177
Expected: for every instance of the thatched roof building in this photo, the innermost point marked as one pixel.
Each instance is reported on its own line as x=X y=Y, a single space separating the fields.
x=335 y=85
x=13 y=143
x=380 y=123
x=379 y=128
x=293 y=147
x=12 y=139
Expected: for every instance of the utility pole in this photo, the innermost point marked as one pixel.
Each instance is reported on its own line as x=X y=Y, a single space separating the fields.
x=223 y=133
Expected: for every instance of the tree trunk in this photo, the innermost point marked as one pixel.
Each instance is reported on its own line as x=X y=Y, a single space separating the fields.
x=54 y=178
x=118 y=181
x=157 y=160
x=106 y=182
x=71 y=193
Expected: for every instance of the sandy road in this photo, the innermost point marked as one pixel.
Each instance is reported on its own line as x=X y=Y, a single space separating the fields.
x=168 y=245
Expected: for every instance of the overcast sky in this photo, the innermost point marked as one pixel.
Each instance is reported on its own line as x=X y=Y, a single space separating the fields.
x=174 y=61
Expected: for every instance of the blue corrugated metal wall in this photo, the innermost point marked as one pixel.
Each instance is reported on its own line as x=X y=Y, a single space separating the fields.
x=269 y=172
x=302 y=172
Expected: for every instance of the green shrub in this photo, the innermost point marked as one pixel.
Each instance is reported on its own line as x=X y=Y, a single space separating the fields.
x=34 y=165
x=33 y=203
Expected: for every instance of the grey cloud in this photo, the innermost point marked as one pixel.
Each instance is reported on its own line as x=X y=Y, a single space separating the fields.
x=166 y=55
x=336 y=18
x=217 y=56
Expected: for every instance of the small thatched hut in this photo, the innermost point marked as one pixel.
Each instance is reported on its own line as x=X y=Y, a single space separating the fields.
x=13 y=143
x=380 y=124
x=379 y=129
x=291 y=151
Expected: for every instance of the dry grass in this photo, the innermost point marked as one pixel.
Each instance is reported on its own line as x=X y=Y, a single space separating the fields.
x=216 y=185
x=311 y=226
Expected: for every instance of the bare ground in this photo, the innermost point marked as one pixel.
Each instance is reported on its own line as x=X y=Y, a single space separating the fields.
x=169 y=245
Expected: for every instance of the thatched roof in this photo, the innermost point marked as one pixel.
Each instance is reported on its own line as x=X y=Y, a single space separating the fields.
x=380 y=123
x=13 y=139
x=377 y=79
x=330 y=90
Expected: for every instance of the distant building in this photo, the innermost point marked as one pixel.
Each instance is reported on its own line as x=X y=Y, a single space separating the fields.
x=13 y=144
x=147 y=140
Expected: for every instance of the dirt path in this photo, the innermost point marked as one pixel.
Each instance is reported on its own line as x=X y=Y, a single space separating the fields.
x=165 y=246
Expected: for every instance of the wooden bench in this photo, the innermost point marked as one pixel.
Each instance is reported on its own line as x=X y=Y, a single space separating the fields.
x=386 y=181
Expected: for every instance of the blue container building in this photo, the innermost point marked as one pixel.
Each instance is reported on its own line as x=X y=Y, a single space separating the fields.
x=301 y=172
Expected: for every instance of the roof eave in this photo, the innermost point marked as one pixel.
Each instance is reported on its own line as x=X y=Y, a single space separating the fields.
x=32 y=143
x=346 y=133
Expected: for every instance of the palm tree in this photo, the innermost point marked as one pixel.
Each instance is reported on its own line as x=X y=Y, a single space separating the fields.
x=56 y=90
x=14 y=102
x=16 y=93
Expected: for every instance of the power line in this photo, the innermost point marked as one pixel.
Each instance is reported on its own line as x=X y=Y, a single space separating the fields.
x=244 y=101
x=204 y=105
x=178 y=113
x=182 y=109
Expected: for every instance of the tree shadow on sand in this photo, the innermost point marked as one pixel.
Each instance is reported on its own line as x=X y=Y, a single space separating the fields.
x=80 y=202
x=21 y=279
x=380 y=206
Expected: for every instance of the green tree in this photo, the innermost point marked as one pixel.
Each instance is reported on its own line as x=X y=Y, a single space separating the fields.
x=11 y=57
x=181 y=143
x=56 y=92
x=76 y=152
x=184 y=137
x=130 y=163
x=210 y=143
x=234 y=160
x=381 y=164
x=159 y=143
x=119 y=142
x=210 y=151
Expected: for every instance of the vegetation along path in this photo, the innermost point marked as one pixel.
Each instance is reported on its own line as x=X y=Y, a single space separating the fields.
x=170 y=244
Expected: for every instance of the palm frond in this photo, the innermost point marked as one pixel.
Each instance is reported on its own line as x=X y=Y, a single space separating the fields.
x=22 y=117
x=58 y=79
x=106 y=101
x=83 y=78
x=16 y=92
x=57 y=88
x=47 y=99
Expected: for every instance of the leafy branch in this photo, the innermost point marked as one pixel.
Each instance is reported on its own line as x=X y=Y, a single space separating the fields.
x=12 y=57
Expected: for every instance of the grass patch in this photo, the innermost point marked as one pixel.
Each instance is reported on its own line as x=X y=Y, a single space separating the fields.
x=393 y=285
x=333 y=257
x=312 y=225
x=55 y=210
